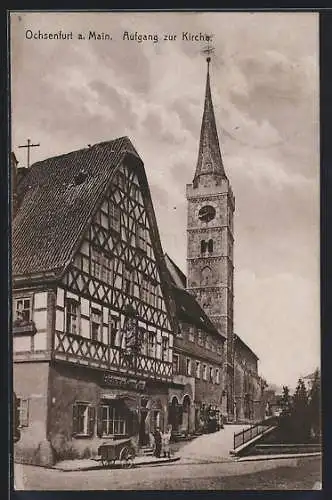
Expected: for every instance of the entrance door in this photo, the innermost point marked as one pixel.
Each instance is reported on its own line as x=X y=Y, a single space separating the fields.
x=186 y=414
x=143 y=437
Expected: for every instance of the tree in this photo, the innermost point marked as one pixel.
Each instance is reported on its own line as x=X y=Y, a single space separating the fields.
x=314 y=407
x=300 y=413
x=285 y=401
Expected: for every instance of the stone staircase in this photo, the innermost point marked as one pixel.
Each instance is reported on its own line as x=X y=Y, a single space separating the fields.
x=145 y=451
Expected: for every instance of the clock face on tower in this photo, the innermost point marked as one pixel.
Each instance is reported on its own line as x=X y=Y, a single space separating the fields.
x=207 y=213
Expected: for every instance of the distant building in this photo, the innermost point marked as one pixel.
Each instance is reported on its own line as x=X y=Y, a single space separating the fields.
x=248 y=385
x=198 y=359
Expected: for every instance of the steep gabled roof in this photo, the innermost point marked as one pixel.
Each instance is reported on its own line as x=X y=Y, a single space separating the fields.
x=56 y=198
x=178 y=277
x=189 y=311
x=239 y=341
x=187 y=307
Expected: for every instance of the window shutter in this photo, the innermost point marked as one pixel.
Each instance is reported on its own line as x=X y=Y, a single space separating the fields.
x=99 y=422
x=75 y=419
x=91 y=419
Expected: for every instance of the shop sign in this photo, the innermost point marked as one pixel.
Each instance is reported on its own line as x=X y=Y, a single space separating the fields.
x=123 y=382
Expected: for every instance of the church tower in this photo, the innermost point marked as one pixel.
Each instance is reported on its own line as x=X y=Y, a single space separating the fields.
x=210 y=239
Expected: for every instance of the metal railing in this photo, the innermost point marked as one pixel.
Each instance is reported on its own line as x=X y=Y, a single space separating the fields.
x=251 y=432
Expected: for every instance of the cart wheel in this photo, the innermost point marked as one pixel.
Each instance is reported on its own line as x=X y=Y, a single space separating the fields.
x=127 y=458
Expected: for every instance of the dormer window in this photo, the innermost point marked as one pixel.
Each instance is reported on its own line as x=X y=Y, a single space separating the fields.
x=80 y=177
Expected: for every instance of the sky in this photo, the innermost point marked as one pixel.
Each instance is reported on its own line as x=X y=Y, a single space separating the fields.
x=68 y=93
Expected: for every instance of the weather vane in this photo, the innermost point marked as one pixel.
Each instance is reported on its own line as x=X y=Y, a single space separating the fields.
x=208 y=49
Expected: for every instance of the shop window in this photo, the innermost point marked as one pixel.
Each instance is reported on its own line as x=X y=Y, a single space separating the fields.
x=72 y=313
x=83 y=419
x=23 y=409
x=152 y=344
x=23 y=309
x=175 y=363
x=198 y=369
x=96 y=324
x=112 y=421
x=114 y=217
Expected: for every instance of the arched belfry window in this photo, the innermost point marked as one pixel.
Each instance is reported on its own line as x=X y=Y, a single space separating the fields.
x=206 y=276
x=210 y=246
x=203 y=246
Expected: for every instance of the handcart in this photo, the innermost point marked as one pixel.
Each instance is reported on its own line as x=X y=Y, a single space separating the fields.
x=121 y=450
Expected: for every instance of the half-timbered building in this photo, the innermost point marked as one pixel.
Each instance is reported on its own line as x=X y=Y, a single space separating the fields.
x=93 y=316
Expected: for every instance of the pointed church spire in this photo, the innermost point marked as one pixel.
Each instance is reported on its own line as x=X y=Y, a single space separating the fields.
x=209 y=156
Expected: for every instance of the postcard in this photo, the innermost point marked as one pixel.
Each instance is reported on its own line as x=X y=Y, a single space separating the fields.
x=165 y=173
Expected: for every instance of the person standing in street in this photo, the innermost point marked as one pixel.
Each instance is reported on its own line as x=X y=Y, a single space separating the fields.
x=157 y=440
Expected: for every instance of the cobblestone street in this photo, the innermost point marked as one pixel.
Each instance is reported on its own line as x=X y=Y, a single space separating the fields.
x=284 y=474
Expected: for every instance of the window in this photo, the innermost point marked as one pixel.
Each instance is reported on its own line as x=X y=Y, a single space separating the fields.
x=217 y=376
x=22 y=309
x=206 y=276
x=203 y=246
x=114 y=217
x=152 y=344
x=175 y=363
x=107 y=270
x=112 y=421
x=198 y=369
x=72 y=309
x=128 y=281
x=83 y=419
x=96 y=263
x=188 y=366
x=200 y=338
x=191 y=335
x=96 y=324
x=211 y=374
x=113 y=330
x=141 y=237
x=144 y=290
x=204 y=372
x=142 y=340
x=210 y=246
x=23 y=408
x=164 y=349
